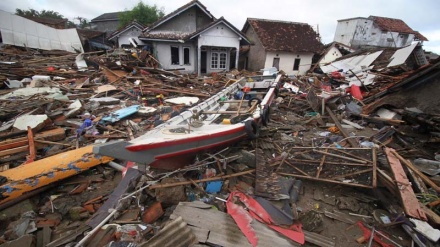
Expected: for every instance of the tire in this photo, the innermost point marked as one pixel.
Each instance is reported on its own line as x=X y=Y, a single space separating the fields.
x=157 y=122
x=252 y=130
x=276 y=91
x=265 y=117
x=253 y=99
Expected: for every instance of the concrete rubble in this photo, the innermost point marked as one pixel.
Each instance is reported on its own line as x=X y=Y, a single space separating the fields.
x=348 y=155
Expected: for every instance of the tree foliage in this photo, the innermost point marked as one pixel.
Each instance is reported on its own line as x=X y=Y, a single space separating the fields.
x=51 y=14
x=35 y=13
x=142 y=13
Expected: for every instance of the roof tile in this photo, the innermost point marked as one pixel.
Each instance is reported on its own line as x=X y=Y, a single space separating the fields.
x=395 y=25
x=286 y=36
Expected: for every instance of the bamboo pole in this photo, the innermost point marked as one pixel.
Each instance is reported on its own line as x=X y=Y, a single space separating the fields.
x=324 y=180
x=200 y=180
x=341 y=157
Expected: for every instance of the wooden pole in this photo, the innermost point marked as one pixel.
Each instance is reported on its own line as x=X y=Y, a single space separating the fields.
x=341 y=157
x=200 y=180
x=324 y=180
x=352 y=142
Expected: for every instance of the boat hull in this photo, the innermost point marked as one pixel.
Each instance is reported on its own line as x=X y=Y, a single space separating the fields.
x=153 y=153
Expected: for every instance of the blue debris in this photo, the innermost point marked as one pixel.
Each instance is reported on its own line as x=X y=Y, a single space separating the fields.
x=213 y=186
x=74 y=167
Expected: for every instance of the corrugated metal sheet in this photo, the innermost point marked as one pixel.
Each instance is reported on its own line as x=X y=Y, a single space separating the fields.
x=175 y=234
x=219 y=228
x=19 y=31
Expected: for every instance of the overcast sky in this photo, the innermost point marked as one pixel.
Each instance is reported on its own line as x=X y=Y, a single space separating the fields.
x=421 y=15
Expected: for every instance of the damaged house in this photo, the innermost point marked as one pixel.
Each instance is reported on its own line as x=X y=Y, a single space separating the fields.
x=127 y=35
x=288 y=46
x=191 y=39
x=107 y=22
x=375 y=31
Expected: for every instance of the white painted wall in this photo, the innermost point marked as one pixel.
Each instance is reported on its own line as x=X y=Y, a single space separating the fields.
x=287 y=60
x=163 y=50
x=134 y=34
x=345 y=31
x=219 y=36
x=332 y=54
x=362 y=31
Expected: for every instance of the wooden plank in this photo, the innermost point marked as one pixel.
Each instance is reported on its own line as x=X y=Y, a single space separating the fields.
x=24 y=179
x=408 y=198
x=14 y=150
x=374 y=181
x=32 y=149
x=318 y=171
x=350 y=140
x=421 y=175
x=14 y=143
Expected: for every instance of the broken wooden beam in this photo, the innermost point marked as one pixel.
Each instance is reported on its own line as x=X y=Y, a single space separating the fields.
x=409 y=200
x=421 y=175
x=352 y=142
x=32 y=150
x=24 y=179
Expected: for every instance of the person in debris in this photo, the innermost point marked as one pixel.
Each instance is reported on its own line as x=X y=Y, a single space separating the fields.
x=87 y=125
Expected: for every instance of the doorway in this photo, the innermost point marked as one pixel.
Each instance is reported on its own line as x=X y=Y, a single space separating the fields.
x=203 y=62
x=276 y=63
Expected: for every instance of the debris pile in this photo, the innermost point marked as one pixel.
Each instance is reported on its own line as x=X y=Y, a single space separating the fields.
x=335 y=165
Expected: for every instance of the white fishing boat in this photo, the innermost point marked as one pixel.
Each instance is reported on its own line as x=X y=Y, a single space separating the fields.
x=234 y=113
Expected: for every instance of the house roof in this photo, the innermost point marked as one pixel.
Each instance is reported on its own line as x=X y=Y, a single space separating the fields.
x=113 y=16
x=284 y=36
x=391 y=24
x=133 y=24
x=225 y=22
x=46 y=21
x=88 y=34
x=395 y=25
x=178 y=11
x=176 y=36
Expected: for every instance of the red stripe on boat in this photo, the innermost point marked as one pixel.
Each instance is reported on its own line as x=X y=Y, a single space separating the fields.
x=141 y=147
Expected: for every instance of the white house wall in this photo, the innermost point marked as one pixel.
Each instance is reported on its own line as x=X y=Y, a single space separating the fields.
x=332 y=54
x=362 y=34
x=362 y=31
x=287 y=60
x=219 y=36
x=163 y=50
x=123 y=37
x=344 y=31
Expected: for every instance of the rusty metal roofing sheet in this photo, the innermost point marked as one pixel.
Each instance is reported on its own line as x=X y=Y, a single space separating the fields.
x=222 y=229
x=175 y=234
